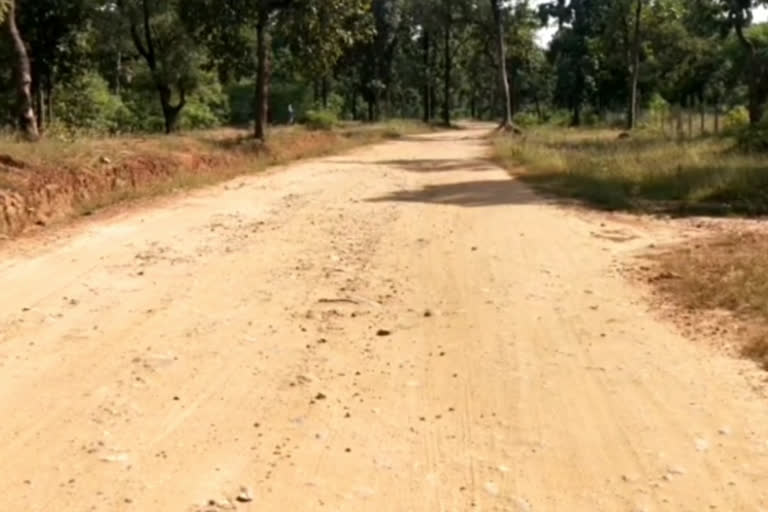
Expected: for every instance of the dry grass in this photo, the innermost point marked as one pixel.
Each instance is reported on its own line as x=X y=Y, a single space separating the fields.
x=724 y=273
x=55 y=179
x=646 y=172
x=650 y=172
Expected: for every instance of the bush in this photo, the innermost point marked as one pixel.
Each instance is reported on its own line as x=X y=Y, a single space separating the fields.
x=207 y=107
x=753 y=138
x=88 y=104
x=321 y=119
x=527 y=119
x=736 y=119
x=659 y=108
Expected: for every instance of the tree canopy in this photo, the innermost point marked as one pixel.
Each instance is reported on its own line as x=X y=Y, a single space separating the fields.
x=164 y=65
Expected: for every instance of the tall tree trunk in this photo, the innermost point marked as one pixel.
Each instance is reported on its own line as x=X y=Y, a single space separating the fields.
x=23 y=72
x=632 y=112
x=426 y=43
x=717 y=117
x=119 y=74
x=354 y=104
x=576 y=119
x=690 y=116
x=501 y=55
x=755 y=103
x=433 y=102
x=262 y=75
x=513 y=94
x=447 y=73
x=49 y=112
x=371 y=111
x=702 y=120
x=40 y=105
x=170 y=112
x=39 y=95
x=324 y=91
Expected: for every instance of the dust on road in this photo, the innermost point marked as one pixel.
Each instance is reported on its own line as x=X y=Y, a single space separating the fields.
x=399 y=328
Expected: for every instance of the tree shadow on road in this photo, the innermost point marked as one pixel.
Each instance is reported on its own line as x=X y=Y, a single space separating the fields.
x=440 y=137
x=428 y=165
x=441 y=165
x=470 y=194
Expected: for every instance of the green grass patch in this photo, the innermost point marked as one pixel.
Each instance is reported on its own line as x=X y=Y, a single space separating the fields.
x=646 y=171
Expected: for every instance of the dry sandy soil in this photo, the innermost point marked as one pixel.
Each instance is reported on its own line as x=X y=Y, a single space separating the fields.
x=402 y=328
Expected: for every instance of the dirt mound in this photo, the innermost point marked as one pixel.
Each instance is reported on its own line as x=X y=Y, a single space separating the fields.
x=32 y=193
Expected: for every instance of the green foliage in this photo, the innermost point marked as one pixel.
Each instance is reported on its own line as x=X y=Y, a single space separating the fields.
x=736 y=119
x=750 y=138
x=4 y=6
x=527 y=119
x=208 y=106
x=379 y=58
x=659 y=109
x=87 y=104
x=321 y=119
x=645 y=172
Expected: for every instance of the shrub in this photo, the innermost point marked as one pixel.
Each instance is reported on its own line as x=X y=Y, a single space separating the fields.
x=88 y=104
x=527 y=119
x=207 y=107
x=659 y=108
x=736 y=119
x=321 y=119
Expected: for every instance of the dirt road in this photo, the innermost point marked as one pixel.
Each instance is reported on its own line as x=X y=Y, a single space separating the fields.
x=399 y=329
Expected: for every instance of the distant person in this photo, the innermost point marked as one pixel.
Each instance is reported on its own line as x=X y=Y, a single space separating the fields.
x=291 y=115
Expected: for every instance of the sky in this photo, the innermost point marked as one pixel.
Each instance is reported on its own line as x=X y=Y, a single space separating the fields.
x=545 y=35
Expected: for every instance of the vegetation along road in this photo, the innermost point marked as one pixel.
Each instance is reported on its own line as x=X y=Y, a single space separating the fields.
x=399 y=328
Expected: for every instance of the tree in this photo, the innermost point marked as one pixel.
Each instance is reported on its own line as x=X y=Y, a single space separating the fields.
x=323 y=23
x=738 y=17
x=236 y=29
x=23 y=72
x=634 y=66
x=53 y=31
x=164 y=44
x=498 y=18
x=572 y=52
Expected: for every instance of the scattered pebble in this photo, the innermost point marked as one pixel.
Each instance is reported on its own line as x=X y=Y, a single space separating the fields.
x=492 y=488
x=522 y=505
x=320 y=396
x=383 y=332
x=115 y=457
x=676 y=470
x=245 y=495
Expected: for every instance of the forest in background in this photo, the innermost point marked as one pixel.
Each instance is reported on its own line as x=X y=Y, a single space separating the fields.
x=126 y=66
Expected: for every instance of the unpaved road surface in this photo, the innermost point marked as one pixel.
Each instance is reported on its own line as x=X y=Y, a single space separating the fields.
x=401 y=328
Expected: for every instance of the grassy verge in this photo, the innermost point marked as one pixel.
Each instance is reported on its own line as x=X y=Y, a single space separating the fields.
x=56 y=179
x=723 y=273
x=646 y=172
x=649 y=172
